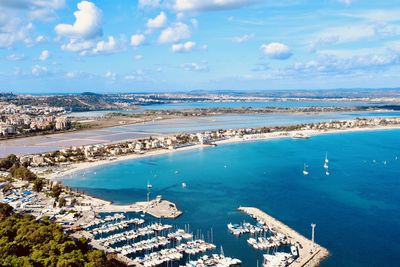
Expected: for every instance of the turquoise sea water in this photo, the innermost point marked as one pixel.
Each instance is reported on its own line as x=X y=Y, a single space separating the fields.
x=356 y=208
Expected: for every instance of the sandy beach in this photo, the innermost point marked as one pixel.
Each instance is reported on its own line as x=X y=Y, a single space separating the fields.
x=70 y=169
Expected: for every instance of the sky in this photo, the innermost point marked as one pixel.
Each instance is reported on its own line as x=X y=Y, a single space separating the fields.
x=63 y=46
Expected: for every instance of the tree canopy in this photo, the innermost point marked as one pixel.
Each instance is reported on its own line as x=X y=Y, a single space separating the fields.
x=27 y=242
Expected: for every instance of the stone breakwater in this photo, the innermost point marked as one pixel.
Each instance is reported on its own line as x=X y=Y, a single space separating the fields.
x=310 y=254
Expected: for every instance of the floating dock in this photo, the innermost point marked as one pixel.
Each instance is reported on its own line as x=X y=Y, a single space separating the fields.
x=310 y=254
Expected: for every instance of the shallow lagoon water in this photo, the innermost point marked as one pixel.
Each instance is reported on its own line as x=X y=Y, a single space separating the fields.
x=239 y=104
x=356 y=208
x=41 y=144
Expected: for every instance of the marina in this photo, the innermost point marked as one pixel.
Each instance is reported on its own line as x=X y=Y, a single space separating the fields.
x=311 y=199
x=137 y=242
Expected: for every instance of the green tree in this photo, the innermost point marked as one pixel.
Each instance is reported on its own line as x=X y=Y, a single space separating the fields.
x=56 y=190
x=5 y=211
x=9 y=161
x=62 y=202
x=38 y=185
x=74 y=202
x=26 y=242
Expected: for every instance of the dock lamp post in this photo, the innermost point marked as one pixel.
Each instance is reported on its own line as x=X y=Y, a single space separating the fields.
x=312 y=235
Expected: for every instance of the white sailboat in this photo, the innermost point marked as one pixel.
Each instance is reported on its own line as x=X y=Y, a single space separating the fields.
x=326 y=166
x=305 y=172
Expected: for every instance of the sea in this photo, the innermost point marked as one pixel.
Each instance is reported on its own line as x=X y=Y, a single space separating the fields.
x=356 y=208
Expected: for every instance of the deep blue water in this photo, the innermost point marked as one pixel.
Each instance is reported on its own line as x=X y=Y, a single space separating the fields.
x=356 y=208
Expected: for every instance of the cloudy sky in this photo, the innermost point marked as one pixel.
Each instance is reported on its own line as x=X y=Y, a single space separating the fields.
x=164 y=45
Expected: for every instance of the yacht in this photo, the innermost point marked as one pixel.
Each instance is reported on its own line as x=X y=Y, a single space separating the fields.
x=183 y=185
x=305 y=172
x=149 y=185
x=326 y=158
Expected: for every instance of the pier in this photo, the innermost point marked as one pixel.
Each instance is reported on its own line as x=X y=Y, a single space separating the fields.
x=310 y=253
x=159 y=208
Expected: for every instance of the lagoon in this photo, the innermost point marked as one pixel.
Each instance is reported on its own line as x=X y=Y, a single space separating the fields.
x=41 y=144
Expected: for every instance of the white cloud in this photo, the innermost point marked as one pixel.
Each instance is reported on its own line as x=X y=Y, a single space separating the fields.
x=183 y=47
x=206 y=5
x=158 y=21
x=137 y=39
x=138 y=75
x=16 y=18
x=149 y=3
x=382 y=15
x=277 y=51
x=178 y=31
x=138 y=57
x=346 y=65
x=110 y=75
x=44 y=55
x=195 y=23
x=34 y=9
x=38 y=70
x=106 y=47
x=202 y=66
x=16 y=57
x=242 y=39
x=30 y=4
x=352 y=33
x=91 y=47
x=87 y=25
x=75 y=74
x=346 y=2
x=13 y=30
x=40 y=39
x=77 y=46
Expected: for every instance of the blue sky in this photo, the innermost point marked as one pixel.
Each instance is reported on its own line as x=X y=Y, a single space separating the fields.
x=165 y=45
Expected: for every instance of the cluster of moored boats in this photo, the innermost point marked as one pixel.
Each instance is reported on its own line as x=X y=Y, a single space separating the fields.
x=263 y=237
x=112 y=227
x=272 y=241
x=279 y=259
x=216 y=260
x=133 y=234
x=154 y=244
x=98 y=221
x=247 y=228
x=174 y=254
x=147 y=244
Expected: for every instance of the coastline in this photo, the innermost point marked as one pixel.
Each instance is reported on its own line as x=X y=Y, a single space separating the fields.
x=76 y=167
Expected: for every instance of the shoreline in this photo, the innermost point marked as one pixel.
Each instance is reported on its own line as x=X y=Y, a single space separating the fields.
x=77 y=167
x=56 y=134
